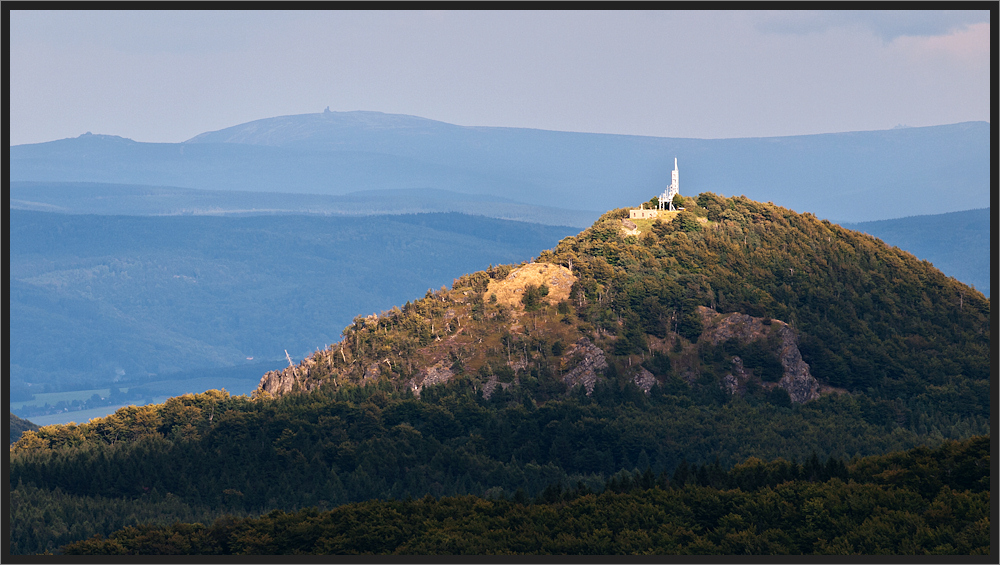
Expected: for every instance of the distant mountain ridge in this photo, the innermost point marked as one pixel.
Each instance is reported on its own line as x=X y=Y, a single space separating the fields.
x=300 y=129
x=854 y=176
x=144 y=200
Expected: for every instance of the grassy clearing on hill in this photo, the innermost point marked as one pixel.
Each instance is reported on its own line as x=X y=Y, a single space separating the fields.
x=509 y=291
x=646 y=224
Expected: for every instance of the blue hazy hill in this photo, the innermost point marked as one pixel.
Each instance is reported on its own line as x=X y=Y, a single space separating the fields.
x=96 y=299
x=145 y=200
x=845 y=177
x=957 y=243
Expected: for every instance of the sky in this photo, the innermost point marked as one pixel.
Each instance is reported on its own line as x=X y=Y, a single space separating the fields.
x=167 y=76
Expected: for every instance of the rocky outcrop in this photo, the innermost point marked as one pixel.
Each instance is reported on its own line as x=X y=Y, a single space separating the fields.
x=629 y=227
x=796 y=380
x=289 y=379
x=586 y=359
x=436 y=373
x=735 y=381
x=432 y=375
x=723 y=327
x=800 y=385
x=644 y=379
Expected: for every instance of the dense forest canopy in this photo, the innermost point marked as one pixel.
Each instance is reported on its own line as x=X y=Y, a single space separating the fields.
x=611 y=369
x=957 y=243
x=938 y=504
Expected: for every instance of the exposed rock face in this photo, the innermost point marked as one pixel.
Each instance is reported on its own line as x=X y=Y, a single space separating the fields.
x=735 y=382
x=800 y=385
x=644 y=379
x=629 y=227
x=488 y=387
x=289 y=379
x=586 y=358
x=581 y=363
x=734 y=325
x=436 y=373
x=796 y=380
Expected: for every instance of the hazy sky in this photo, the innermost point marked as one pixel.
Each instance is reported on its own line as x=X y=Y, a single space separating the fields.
x=168 y=76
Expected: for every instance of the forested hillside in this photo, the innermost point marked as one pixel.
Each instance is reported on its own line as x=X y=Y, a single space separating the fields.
x=868 y=318
x=957 y=243
x=735 y=329
x=776 y=508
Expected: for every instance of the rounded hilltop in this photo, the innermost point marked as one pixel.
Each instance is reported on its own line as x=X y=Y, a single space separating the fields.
x=645 y=291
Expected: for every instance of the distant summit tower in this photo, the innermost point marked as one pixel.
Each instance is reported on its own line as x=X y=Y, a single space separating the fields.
x=667 y=198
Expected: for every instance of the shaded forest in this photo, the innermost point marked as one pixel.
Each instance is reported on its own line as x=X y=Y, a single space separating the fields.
x=905 y=503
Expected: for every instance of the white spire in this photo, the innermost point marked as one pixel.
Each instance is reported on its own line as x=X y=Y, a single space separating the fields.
x=667 y=198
